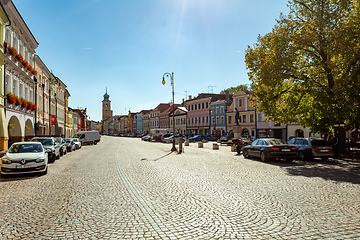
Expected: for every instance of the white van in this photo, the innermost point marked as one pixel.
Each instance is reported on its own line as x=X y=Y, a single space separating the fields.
x=88 y=137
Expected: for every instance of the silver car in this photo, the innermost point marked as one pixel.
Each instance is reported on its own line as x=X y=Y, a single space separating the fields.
x=24 y=157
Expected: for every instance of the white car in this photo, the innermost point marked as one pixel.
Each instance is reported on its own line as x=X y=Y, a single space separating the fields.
x=77 y=143
x=24 y=157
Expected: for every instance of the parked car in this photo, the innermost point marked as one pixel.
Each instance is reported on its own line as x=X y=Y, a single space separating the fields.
x=170 y=139
x=162 y=138
x=70 y=144
x=270 y=149
x=63 y=148
x=52 y=147
x=77 y=143
x=146 y=137
x=90 y=137
x=197 y=138
x=309 y=148
x=24 y=157
x=225 y=140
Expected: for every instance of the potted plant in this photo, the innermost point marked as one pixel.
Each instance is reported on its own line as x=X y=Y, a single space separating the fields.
x=24 y=63
x=19 y=57
x=18 y=101
x=24 y=103
x=33 y=71
x=12 y=50
x=29 y=106
x=10 y=98
x=34 y=108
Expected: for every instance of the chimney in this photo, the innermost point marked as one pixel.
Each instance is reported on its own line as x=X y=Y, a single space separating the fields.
x=190 y=97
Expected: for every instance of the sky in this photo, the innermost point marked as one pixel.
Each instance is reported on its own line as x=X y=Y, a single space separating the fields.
x=126 y=46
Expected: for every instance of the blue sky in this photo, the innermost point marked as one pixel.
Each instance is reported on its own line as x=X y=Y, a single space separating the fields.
x=127 y=46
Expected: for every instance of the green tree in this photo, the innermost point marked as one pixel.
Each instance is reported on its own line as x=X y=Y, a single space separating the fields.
x=307 y=69
x=242 y=87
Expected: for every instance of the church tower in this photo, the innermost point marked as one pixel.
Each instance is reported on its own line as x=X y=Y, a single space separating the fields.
x=106 y=110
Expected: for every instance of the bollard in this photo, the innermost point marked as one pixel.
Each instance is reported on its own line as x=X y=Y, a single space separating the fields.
x=215 y=146
x=200 y=145
x=187 y=142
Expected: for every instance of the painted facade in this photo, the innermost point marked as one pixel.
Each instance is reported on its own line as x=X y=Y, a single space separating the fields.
x=20 y=76
x=4 y=137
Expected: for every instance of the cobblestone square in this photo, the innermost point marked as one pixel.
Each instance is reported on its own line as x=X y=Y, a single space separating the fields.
x=125 y=188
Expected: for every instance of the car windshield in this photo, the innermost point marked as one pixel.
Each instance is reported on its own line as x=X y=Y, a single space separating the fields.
x=276 y=142
x=77 y=135
x=68 y=140
x=44 y=141
x=58 y=139
x=76 y=140
x=319 y=142
x=25 y=148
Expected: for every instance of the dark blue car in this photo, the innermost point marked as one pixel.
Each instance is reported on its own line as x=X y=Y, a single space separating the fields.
x=197 y=138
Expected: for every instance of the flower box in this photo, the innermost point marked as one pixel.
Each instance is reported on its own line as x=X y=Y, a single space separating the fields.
x=24 y=103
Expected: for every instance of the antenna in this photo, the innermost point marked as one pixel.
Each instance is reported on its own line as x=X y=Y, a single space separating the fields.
x=212 y=89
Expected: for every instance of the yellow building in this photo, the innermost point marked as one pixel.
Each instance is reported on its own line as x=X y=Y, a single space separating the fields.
x=4 y=137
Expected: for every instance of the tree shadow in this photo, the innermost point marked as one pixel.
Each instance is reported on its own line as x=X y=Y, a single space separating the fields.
x=339 y=171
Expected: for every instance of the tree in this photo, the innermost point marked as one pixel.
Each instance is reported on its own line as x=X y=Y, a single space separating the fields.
x=307 y=69
x=232 y=90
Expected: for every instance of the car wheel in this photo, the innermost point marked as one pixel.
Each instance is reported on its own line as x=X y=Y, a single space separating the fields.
x=95 y=142
x=263 y=156
x=324 y=158
x=246 y=154
x=58 y=156
x=289 y=160
x=302 y=156
x=52 y=159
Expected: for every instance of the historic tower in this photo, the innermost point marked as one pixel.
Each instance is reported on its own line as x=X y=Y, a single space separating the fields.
x=106 y=112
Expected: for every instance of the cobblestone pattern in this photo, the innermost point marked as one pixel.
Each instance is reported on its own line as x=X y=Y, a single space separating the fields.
x=124 y=188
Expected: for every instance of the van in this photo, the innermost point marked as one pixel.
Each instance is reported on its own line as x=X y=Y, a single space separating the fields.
x=88 y=137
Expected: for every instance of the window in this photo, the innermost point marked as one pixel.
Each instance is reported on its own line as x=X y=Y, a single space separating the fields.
x=203 y=105
x=260 y=117
x=251 y=118
x=244 y=118
x=222 y=120
x=229 y=119
x=207 y=105
x=240 y=102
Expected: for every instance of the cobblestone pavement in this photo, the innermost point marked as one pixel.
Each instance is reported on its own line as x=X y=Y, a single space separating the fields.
x=125 y=188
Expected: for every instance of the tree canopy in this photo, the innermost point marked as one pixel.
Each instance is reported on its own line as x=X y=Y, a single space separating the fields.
x=242 y=87
x=307 y=69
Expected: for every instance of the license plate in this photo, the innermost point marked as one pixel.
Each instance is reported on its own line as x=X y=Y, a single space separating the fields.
x=23 y=166
x=324 y=150
x=286 y=150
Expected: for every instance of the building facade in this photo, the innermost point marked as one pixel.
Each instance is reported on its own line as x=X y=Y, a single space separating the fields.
x=4 y=136
x=20 y=77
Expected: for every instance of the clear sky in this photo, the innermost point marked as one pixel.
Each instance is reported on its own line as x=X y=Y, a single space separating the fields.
x=127 y=46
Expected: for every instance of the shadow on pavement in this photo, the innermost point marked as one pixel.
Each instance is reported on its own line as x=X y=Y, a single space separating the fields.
x=145 y=159
x=328 y=170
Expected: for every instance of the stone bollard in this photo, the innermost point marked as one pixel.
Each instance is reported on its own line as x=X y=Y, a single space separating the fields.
x=187 y=142
x=218 y=141
x=200 y=144
x=215 y=146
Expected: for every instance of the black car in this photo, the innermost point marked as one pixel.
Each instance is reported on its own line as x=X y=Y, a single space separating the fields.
x=52 y=147
x=309 y=148
x=70 y=144
x=63 y=148
x=270 y=149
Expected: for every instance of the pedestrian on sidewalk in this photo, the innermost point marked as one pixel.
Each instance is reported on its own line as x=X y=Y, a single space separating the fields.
x=335 y=144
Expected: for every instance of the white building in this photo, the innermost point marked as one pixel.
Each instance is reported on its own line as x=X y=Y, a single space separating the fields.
x=19 y=75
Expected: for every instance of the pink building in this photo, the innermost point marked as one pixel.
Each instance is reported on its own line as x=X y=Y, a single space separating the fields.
x=198 y=116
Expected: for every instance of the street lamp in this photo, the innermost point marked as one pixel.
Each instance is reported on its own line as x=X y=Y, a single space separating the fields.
x=173 y=149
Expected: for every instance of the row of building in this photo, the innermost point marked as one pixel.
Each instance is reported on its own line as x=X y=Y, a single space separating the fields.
x=33 y=101
x=207 y=113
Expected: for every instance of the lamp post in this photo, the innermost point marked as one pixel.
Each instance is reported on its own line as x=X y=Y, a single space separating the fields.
x=173 y=149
